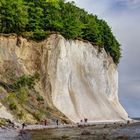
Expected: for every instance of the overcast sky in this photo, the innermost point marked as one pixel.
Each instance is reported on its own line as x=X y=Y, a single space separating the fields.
x=124 y=18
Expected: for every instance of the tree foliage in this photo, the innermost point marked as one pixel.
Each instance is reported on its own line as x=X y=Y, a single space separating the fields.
x=40 y=16
x=13 y=16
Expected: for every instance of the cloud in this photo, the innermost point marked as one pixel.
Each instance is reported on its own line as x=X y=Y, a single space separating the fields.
x=132 y=4
x=105 y=7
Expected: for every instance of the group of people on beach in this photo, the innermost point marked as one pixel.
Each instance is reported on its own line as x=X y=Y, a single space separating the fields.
x=85 y=120
x=45 y=123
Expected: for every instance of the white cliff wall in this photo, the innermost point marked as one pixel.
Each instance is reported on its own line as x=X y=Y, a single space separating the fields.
x=84 y=81
x=75 y=77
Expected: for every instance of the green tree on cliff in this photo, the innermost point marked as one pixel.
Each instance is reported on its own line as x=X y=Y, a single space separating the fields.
x=41 y=16
x=72 y=25
x=13 y=16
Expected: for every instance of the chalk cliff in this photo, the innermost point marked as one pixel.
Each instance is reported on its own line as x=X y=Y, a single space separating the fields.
x=76 y=77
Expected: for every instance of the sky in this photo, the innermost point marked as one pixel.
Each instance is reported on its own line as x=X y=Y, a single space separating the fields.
x=124 y=18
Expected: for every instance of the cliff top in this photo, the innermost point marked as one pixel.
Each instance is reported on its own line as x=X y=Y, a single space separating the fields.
x=37 y=19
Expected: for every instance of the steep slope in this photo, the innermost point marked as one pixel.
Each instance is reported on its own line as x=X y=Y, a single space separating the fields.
x=84 y=81
x=76 y=77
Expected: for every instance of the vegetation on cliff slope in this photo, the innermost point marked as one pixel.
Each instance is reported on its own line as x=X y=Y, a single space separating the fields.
x=39 y=17
x=25 y=103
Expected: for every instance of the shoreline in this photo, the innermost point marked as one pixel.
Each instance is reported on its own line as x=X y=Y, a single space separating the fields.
x=9 y=133
x=18 y=126
x=52 y=126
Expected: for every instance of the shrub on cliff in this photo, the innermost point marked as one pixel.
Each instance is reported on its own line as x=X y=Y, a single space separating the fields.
x=25 y=81
x=39 y=16
x=39 y=35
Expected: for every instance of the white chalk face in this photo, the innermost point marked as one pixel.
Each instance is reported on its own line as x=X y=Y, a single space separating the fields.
x=84 y=82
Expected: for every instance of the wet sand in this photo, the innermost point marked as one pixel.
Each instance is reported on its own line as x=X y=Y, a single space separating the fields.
x=94 y=132
x=8 y=134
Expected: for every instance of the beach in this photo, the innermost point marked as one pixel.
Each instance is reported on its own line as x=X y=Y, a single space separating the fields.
x=110 y=131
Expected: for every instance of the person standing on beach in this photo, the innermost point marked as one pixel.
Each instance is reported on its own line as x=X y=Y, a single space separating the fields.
x=57 y=121
x=23 y=125
x=45 y=122
x=85 y=119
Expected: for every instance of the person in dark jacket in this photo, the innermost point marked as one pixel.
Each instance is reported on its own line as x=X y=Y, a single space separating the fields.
x=23 y=125
x=57 y=121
